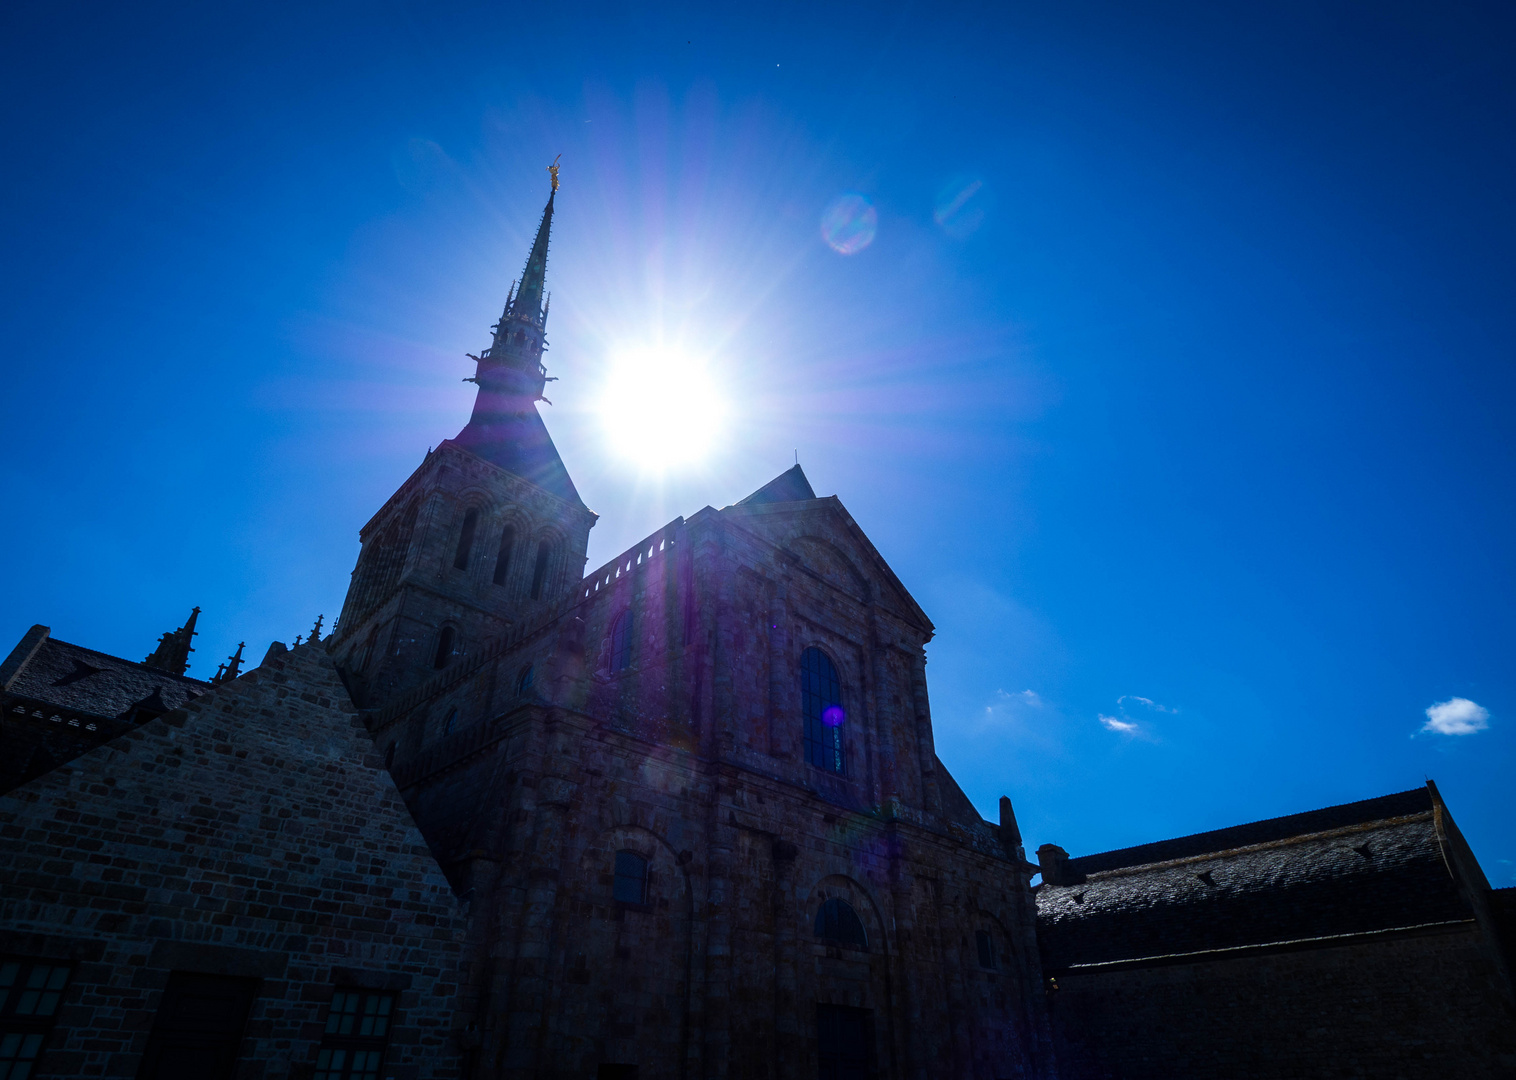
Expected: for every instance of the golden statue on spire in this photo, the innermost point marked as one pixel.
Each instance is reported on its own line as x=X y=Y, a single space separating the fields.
x=553 y=171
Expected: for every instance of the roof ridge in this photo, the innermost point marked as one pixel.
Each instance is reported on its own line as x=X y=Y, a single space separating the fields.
x=1264 y=845
x=133 y=663
x=1264 y=831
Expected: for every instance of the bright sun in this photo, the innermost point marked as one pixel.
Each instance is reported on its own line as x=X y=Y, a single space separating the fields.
x=661 y=409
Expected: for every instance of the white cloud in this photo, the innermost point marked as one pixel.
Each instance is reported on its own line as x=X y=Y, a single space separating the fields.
x=1149 y=702
x=1456 y=716
x=1031 y=698
x=1113 y=724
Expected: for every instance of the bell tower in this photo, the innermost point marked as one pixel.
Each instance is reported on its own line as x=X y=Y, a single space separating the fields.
x=489 y=530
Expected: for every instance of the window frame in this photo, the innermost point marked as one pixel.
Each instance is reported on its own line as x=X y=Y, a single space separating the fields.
x=30 y=1029
x=984 y=942
x=503 y=556
x=466 y=534
x=644 y=879
x=540 y=570
x=838 y=905
x=447 y=645
x=621 y=636
x=824 y=746
x=344 y=1046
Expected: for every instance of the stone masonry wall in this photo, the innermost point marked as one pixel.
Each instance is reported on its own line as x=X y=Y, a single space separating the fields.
x=691 y=756
x=253 y=833
x=1399 y=1008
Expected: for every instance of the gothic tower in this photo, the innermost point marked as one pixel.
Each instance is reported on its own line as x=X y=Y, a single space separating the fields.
x=488 y=531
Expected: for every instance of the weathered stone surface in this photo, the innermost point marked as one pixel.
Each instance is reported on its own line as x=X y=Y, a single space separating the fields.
x=252 y=833
x=690 y=754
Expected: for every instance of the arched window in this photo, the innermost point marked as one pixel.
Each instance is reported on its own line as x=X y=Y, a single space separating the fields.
x=631 y=878
x=837 y=921
x=368 y=650
x=503 y=560
x=525 y=679
x=466 y=539
x=539 y=572
x=986 y=942
x=444 y=648
x=621 y=642
x=389 y=757
x=821 y=707
x=450 y=725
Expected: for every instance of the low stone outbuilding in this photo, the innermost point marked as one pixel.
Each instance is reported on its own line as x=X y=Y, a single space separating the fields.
x=234 y=888
x=1356 y=940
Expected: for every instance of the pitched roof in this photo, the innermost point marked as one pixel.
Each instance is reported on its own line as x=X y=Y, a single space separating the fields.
x=789 y=486
x=1368 y=866
x=520 y=444
x=97 y=684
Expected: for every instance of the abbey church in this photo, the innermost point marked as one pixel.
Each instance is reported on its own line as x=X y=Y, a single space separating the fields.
x=677 y=816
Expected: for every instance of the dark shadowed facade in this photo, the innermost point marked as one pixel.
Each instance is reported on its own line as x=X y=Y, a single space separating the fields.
x=1358 y=940
x=680 y=817
x=692 y=797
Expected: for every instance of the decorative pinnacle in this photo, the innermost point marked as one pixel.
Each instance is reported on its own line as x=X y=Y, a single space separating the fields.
x=553 y=171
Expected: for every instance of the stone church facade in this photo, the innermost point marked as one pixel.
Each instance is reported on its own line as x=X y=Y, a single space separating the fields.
x=692 y=797
x=680 y=817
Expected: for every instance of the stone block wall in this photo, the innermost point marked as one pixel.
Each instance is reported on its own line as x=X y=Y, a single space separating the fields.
x=253 y=833
x=1402 y=1006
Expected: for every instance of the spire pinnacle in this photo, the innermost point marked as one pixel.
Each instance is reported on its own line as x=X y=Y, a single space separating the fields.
x=172 y=653
x=505 y=427
x=234 y=663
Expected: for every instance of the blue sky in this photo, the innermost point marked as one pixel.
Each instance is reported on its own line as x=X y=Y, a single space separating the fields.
x=1175 y=381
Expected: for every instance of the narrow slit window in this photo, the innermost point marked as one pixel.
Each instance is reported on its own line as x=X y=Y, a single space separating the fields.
x=821 y=711
x=986 y=942
x=444 y=648
x=539 y=572
x=466 y=539
x=631 y=878
x=450 y=725
x=621 y=642
x=503 y=559
x=525 y=680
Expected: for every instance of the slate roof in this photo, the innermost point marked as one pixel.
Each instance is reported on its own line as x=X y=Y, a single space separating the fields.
x=520 y=444
x=97 y=684
x=1367 y=866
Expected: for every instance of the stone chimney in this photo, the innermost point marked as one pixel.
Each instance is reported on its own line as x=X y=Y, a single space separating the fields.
x=1052 y=861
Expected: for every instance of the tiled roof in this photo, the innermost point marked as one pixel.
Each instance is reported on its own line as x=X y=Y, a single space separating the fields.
x=97 y=684
x=1375 y=865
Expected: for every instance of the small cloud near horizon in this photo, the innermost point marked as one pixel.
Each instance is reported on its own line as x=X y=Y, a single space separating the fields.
x=1149 y=702
x=1456 y=716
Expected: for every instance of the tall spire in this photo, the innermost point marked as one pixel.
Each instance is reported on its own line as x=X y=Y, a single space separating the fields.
x=527 y=303
x=172 y=653
x=505 y=427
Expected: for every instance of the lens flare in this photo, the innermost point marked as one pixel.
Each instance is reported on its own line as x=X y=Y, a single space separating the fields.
x=849 y=224
x=661 y=408
x=832 y=716
x=960 y=206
